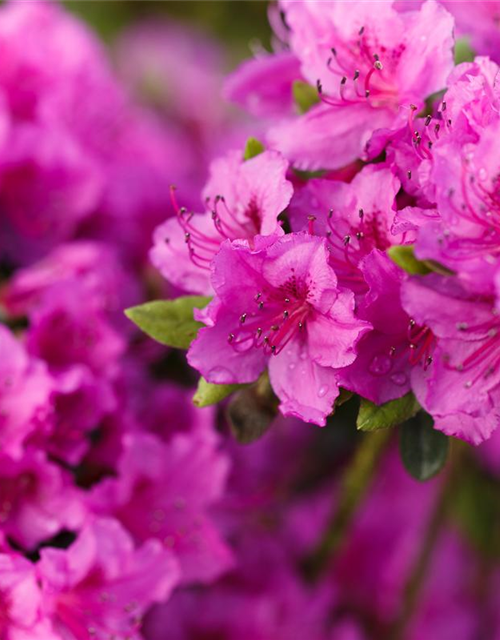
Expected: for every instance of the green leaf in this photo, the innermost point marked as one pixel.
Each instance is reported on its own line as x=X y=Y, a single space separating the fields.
x=170 y=322
x=304 y=95
x=404 y=257
x=423 y=449
x=208 y=393
x=372 y=417
x=253 y=148
x=463 y=51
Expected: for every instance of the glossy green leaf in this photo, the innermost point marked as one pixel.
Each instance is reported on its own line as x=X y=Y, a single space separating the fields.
x=372 y=417
x=424 y=450
x=170 y=322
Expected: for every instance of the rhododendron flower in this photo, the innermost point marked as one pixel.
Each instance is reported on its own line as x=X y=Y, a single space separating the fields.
x=461 y=390
x=101 y=586
x=355 y=218
x=370 y=64
x=387 y=355
x=280 y=307
x=243 y=199
x=165 y=491
x=25 y=394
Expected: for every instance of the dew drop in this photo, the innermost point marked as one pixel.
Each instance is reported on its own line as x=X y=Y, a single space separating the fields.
x=292 y=366
x=219 y=375
x=322 y=391
x=380 y=365
x=399 y=378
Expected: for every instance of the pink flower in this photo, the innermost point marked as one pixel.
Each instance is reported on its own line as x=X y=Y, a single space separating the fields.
x=355 y=218
x=21 y=601
x=388 y=355
x=37 y=500
x=370 y=64
x=166 y=491
x=243 y=199
x=263 y=86
x=94 y=265
x=482 y=32
x=67 y=328
x=25 y=395
x=461 y=390
x=101 y=586
x=280 y=307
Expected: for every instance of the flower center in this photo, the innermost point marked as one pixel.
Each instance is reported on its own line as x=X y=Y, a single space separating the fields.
x=279 y=315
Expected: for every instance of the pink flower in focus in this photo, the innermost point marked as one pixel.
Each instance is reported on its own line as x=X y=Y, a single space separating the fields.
x=243 y=199
x=370 y=64
x=280 y=307
x=354 y=218
x=461 y=391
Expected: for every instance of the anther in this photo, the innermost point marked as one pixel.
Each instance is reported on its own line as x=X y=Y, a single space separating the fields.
x=347 y=239
x=361 y=213
x=428 y=120
x=356 y=75
x=409 y=175
x=243 y=317
x=230 y=337
x=344 y=80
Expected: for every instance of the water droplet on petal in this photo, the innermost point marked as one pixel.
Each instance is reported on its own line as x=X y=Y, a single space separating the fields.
x=380 y=365
x=399 y=378
x=292 y=366
x=220 y=375
x=322 y=391
x=240 y=346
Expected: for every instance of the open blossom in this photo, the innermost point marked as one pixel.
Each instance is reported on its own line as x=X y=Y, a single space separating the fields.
x=25 y=395
x=397 y=349
x=279 y=305
x=101 y=586
x=354 y=217
x=370 y=64
x=165 y=491
x=461 y=390
x=242 y=199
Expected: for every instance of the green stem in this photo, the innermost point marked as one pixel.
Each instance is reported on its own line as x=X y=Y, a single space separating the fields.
x=425 y=554
x=355 y=483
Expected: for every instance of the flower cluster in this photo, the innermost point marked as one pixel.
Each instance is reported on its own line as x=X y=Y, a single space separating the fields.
x=352 y=252
x=107 y=472
x=305 y=268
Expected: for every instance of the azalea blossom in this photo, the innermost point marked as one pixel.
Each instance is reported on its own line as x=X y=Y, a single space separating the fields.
x=281 y=308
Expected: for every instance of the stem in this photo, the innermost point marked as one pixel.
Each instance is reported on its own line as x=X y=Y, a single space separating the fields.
x=355 y=483
x=423 y=560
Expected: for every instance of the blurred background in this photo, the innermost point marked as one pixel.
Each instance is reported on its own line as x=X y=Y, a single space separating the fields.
x=236 y=24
